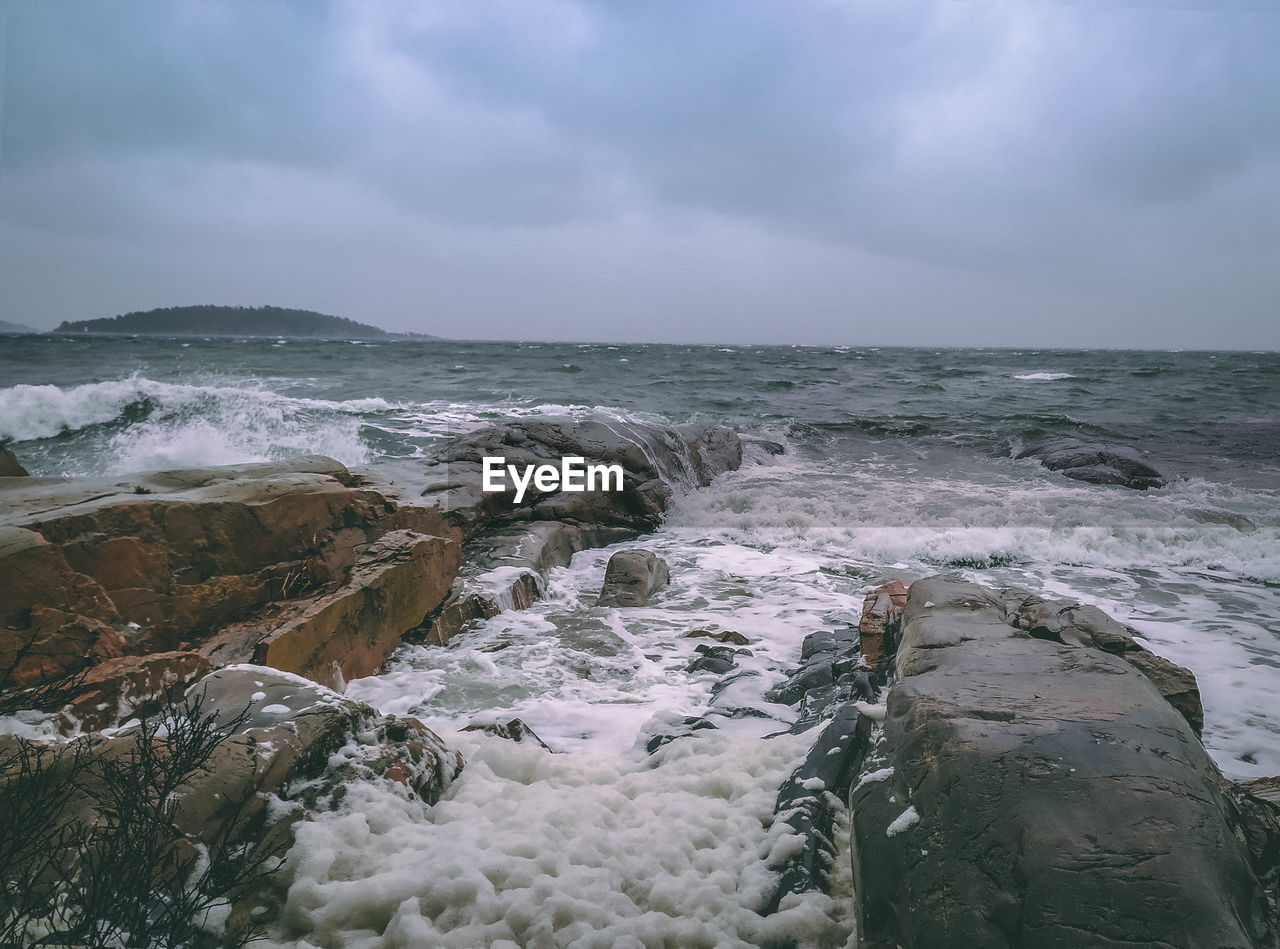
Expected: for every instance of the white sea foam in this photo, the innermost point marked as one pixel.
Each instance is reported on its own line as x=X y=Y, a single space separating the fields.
x=560 y=850
x=1045 y=376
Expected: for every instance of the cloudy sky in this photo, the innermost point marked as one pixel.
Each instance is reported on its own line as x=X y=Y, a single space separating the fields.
x=899 y=172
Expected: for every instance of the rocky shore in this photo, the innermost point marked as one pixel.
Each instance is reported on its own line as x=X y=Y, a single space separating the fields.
x=1016 y=771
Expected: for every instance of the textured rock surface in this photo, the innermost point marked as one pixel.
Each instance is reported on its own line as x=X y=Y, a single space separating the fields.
x=656 y=461
x=505 y=570
x=156 y=562
x=122 y=687
x=632 y=577
x=1096 y=464
x=878 y=626
x=349 y=632
x=1042 y=794
x=302 y=741
x=9 y=465
x=304 y=565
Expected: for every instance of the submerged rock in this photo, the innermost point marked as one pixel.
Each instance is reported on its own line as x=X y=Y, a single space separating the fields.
x=632 y=577
x=514 y=730
x=1042 y=793
x=1096 y=464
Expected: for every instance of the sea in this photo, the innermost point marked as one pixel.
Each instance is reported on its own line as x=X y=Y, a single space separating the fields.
x=895 y=462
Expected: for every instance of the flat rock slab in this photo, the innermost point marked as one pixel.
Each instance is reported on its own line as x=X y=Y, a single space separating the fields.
x=1042 y=794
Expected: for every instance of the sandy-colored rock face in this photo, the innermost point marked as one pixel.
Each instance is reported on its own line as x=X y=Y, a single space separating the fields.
x=332 y=574
x=348 y=634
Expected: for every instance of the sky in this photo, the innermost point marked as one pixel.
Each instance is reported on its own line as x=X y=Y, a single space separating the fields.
x=961 y=172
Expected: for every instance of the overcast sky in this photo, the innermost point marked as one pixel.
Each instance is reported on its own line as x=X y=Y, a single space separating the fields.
x=799 y=171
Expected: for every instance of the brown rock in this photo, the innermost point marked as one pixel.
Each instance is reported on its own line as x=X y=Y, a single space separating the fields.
x=881 y=614
x=9 y=467
x=1177 y=684
x=349 y=633
x=119 y=688
x=295 y=729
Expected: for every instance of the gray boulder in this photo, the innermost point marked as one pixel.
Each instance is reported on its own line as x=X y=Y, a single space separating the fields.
x=1041 y=794
x=632 y=577
x=1096 y=464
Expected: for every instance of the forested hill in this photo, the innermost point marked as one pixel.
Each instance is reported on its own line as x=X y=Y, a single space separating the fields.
x=227 y=321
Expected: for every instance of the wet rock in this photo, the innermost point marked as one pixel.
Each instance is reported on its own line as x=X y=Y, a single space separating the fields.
x=1176 y=683
x=656 y=461
x=764 y=446
x=120 y=688
x=301 y=742
x=176 y=556
x=350 y=632
x=1042 y=794
x=1258 y=806
x=9 y=466
x=632 y=577
x=831 y=675
x=513 y=730
x=716 y=659
x=505 y=569
x=811 y=798
x=727 y=636
x=664 y=729
x=1076 y=625
x=1096 y=464
x=878 y=626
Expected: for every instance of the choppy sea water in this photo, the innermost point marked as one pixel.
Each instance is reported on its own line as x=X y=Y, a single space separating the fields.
x=897 y=462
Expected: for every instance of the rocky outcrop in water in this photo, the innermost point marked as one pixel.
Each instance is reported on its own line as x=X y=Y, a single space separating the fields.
x=251 y=589
x=1034 y=788
x=632 y=577
x=1096 y=464
x=305 y=566
x=9 y=466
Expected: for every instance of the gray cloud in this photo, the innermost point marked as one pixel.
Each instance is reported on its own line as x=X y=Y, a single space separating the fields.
x=941 y=173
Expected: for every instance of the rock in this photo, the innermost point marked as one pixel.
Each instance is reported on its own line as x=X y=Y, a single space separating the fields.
x=514 y=730
x=656 y=461
x=1076 y=625
x=665 y=728
x=505 y=569
x=831 y=674
x=9 y=466
x=1096 y=464
x=302 y=742
x=1042 y=794
x=120 y=688
x=349 y=633
x=1258 y=805
x=716 y=659
x=881 y=613
x=727 y=636
x=179 y=555
x=1176 y=684
x=764 y=446
x=632 y=577
x=812 y=796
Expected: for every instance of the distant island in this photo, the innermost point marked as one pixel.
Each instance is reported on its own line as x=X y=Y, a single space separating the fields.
x=232 y=321
x=14 y=329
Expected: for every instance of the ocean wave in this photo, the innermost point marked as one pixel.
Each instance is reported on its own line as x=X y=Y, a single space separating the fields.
x=1045 y=376
x=138 y=423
